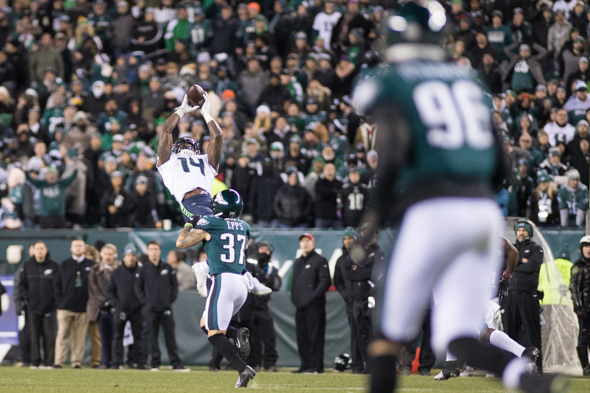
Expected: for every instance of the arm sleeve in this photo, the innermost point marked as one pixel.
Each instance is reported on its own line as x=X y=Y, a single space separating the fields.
x=57 y=286
x=111 y=291
x=324 y=279
x=138 y=286
x=22 y=285
x=36 y=182
x=534 y=264
x=173 y=287
x=68 y=180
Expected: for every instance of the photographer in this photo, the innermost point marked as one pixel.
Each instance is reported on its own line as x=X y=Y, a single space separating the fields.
x=268 y=275
x=580 y=287
x=360 y=275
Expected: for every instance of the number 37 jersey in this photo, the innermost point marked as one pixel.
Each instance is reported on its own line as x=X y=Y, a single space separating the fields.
x=183 y=174
x=448 y=122
x=226 y=251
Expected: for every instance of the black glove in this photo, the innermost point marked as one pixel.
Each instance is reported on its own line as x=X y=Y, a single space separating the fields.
x=193 y=221
x=23 y=305
x=106 y=307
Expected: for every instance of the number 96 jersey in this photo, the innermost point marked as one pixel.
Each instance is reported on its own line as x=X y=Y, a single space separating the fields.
x=182 y=174
x=226 y=251
x=439 y=113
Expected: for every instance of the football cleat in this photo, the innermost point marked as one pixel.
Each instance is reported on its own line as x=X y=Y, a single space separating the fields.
x=243 y=342
x=531 y=353
x=449 y=371
x=245 y=377
x=469 y=371
x=544 y=384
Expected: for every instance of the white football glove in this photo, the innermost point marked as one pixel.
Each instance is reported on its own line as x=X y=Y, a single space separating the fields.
x=206 y=107
x=201 y=270
x=185 y=108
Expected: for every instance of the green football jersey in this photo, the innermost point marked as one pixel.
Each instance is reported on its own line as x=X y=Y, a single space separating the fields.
x=449 y=132
x=226 y=251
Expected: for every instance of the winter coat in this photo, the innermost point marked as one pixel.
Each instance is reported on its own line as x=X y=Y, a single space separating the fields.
x=310 y=281
x=327 y=193
x=292 y=205
x=580 y=286
x=262 y=193
x=252 y=86
x=97 y=278
x=36 y=286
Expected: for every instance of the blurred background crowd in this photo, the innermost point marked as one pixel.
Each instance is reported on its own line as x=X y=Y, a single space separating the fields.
x=86 y=85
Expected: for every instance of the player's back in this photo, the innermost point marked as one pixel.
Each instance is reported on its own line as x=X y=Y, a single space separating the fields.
x=226 y=251
x=443 y=108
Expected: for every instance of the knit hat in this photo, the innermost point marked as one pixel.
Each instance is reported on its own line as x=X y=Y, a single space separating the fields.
x=129 y=249
x=349 y=231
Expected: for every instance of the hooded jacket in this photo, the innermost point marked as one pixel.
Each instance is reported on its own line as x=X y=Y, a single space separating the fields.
x=580 y=285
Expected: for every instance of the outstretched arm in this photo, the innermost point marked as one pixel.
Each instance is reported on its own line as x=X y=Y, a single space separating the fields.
x=214 y=149
x=188 y=239
x=165 y=137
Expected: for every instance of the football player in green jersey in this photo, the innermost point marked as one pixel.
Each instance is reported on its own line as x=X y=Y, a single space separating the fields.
x=225 y=239
x=441 y=163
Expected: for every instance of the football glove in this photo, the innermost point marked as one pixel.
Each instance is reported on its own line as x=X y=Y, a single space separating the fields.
x=185 y=108
x=206 y=107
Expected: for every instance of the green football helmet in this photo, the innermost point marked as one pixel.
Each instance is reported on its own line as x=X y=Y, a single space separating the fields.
x=228 y=204
x=416 y=31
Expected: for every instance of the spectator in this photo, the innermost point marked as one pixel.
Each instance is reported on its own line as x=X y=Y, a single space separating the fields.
x=262 y=191
x=499 y=35
x=184 y=274
x=580 y=74
x=293 y=204
x=310 y=281
x=560 y=130
x=117 y=204
x=327 y=190
x=71 y=292
x=491 y=73
x=93 y=255
x=573 y=201
x=351 y=19
x=224 y=32
x=43 y=58
x=24 y=336
x=156 y=288
x=52 y=198
x=98 y=308
x=543 y=207
x=252 y=82
x=121 y=296
x=37 y=299
x=122 y=28
x=579 y=159
x=324 y=22
x=145 y=214
x=554 y=168
x=571 y=56
x=558 y=33
x=355 y=199
x=580 y=288
x=524 y=71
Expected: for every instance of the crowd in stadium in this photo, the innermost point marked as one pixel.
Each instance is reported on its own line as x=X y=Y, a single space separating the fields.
x=87 y=85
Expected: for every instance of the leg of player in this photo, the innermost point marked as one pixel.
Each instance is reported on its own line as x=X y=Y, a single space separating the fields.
x=240 y=336
x=384 y=355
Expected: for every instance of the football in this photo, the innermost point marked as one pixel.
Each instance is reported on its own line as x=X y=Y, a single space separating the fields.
x=195 y=95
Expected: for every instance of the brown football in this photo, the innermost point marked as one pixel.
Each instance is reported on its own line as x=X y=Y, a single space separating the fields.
x=195 y=95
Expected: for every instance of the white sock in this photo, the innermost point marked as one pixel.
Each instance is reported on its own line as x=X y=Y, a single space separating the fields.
x=512 y=373
x=503 y=341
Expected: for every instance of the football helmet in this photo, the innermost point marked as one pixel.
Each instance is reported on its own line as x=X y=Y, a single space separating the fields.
x=186 y=146
x=228 y=204
x=416 y=31
x=342 y=361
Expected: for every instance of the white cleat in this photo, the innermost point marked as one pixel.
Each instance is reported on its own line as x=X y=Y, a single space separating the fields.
x=469 y=371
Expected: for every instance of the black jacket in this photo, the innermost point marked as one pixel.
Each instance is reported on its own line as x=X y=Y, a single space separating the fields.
x=262 y=192
x=360 y=274
x=326 y=195
x=36 y=286
x=292 y=205
x=124 y=201
x=580 y=285
x=68 y=296
x=355 y=201
x=526 y=274
x=120 y=290
x=310 y=281
x=156 y=287
x=268 y=275
x=344 y=287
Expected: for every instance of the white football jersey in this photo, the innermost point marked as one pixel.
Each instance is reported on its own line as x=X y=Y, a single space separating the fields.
x=324 y=23
x=183 y=174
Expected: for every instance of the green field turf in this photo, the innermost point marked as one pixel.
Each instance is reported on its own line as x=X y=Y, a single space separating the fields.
x=14 y=379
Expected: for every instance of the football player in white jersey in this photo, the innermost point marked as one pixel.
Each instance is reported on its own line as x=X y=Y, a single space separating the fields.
x=186 y=172
x=189 y=175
